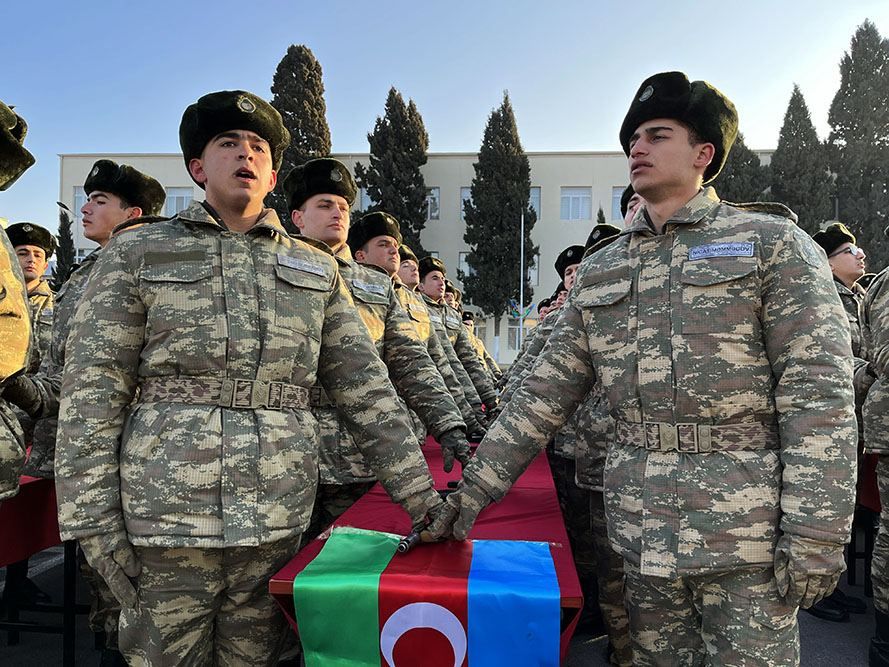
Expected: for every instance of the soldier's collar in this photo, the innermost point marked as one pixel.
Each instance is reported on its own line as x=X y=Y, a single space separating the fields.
x=203 y=213
x=42 y=289
x=695 y=210
x=344 y=255
x=374 y=267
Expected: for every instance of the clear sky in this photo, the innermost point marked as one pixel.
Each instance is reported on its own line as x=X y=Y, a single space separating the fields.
x=102 y=76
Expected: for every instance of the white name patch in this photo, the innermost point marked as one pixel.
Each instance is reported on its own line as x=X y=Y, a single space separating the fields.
x=736 y=249
x=301 y=265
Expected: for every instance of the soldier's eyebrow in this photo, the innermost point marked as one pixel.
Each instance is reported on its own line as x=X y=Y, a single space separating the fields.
x=227 y=135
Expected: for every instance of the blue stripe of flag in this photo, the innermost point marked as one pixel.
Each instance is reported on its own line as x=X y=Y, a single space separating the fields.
x=513 y=605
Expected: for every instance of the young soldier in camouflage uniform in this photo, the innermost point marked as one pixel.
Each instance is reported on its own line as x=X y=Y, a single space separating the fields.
x=34 y=246
x=222 y=323
x=440 y=349
x=723 y=352
x=15 y=323
x=479 y=346
x=320 y=194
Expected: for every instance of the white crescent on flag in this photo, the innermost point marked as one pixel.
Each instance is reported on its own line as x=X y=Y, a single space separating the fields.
x=423 y=615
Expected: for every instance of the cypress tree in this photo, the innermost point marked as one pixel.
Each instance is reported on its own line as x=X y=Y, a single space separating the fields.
x=298 y=95
x=393 y=179
x=65 y=254
x=859 y=141
x=743 y=178
x=800 y=173
x=500 y=197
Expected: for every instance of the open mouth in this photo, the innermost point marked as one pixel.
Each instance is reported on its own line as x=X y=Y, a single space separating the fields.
x=245 y=174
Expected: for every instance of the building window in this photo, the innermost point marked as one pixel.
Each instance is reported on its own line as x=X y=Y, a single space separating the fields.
x=576 y=204
x=79 y=201
x=512 y=333
x=463 y=264
x=534 y=200
x=432 y=253
x=178 y=199
x=364 y=200
x=534 y=271
x=616 y=193
x=433 y=203
x=465 y=196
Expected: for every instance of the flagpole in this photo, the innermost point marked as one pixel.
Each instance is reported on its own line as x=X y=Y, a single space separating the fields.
x=521 y=279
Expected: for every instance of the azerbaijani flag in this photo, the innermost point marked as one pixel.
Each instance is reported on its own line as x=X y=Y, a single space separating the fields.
x=477 y=603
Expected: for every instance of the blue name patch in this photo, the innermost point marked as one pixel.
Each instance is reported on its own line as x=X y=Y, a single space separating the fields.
x=737 y=249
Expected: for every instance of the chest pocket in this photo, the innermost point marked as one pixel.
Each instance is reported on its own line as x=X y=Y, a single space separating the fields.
x=372 y=302
x=300 y=300
x=605 y=304
x=720 y=296
x=178 y=294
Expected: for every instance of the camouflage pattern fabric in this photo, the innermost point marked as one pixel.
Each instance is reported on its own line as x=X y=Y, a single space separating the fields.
x=487 y=360
x=445 y=360
x=186 y=299
x=331 y=502
x=749 y=622
x=410 y=369
x=458 y=334
x=875 y=411
x=595 y=429
x=853 y=302
x=15 y=332
x=437 y=319
x=724 y=325
x=522 y=365
x=48 y=380
x=610 y=585
x=104 y=614
x=880 y=563
x=40 y=300
x=206 y=607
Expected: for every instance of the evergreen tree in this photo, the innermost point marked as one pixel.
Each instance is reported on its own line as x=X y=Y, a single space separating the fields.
x=600 y=216
x=500 y=193
x=393 y=180
x=65 y=255
x=800 y=173
x=859 y=142
x=298 y=95
x=743 y=178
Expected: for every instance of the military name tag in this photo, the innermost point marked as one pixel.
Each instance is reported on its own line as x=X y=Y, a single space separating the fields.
x=301 y=265
x=368 y=287
x=454 y=321
x=736 y=249
x=435 y=318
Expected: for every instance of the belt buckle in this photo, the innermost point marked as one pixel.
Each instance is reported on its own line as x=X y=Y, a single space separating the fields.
x=275 y=396
x=242 y=395
x=651 y=432
x=681 y=429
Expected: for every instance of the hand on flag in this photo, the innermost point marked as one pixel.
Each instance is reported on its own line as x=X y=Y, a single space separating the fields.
x=455 y=519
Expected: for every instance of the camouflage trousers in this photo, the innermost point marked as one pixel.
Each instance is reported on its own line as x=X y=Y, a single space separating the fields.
x=104 y=607
x=575 y=505
x=880 y=563
x=206 y=606
x=330 y=503
x=722 y=618
x=610 y=577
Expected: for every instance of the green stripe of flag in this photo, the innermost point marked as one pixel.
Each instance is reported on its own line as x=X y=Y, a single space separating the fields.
x=340 y=589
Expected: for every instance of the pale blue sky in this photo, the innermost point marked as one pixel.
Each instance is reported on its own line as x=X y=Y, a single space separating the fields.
x=92 y=77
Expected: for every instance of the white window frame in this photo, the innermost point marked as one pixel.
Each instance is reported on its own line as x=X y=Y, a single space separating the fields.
x=178 y=199
x=576 y=203
x=531 y=198
x=617 y=193
x=433 y=203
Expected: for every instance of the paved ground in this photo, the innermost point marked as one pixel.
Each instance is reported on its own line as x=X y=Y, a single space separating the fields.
x=823 y=644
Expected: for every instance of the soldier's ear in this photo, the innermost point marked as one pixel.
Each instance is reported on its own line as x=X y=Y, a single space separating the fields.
x=134 y=212
x=705 y=154
x=196 y=169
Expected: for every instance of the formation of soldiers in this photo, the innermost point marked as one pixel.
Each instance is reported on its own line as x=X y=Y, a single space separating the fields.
x=209 y=392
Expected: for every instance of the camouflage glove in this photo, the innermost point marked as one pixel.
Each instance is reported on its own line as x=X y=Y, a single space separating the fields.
x=113 y=557
x=22 y=393
x=481 y=417
x=463 y=507
x=454 y=446
x=422 y=507
x=863 y=379
x=807 y=570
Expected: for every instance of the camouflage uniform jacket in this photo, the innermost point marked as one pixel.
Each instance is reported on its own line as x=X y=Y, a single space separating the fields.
x=41 y=302
x=875 y=331
x=487 y=360
x=522 y=365
x=416 y=309
x=437 y=319
x=411 y=370
x=722 y=351
x=208 y=322
x=853 y=301
x=15 y=332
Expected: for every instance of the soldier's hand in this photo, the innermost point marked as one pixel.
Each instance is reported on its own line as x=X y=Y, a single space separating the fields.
x=113 y=557
x=421 y=507
x=22 y=393
x=492 y=409
x=467 y=502
x=807 y=570
x=481 y=417
x=454 y=446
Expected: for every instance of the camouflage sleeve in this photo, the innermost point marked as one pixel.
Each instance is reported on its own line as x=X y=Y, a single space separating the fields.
x=805 y=334
x=876 y=321
x=493 y=367
x=356 y=379
x=473 y=365
x=469 y=391
x=414 y=374
x=562 y=377
x=437 y=354
x=98 y=383
x=15 y=313
x=541 y=333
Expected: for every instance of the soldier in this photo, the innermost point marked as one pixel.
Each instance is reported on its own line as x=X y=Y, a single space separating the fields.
x=724 y=357
x=15 y=324
x=34 y=246
x=222 y=323
x=320 y=194
x=479 y=346
x=432 y=286
x=630 y=201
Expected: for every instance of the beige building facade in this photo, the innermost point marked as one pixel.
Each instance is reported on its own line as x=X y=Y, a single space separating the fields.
x=567 y=190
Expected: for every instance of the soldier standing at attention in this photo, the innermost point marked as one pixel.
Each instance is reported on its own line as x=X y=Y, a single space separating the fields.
x=34 y=246
x=15 y=323
x=223 y=323
x=723 y=352
x=320 y=194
